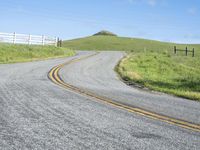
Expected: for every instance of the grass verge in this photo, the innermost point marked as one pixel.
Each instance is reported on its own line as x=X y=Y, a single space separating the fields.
x=10 y=53
x=164 y=72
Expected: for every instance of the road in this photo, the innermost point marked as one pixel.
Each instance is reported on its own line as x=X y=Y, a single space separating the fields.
x=97 y=74
x=37 y=114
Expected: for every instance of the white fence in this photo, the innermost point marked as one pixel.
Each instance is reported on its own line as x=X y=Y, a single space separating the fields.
x=27 y=39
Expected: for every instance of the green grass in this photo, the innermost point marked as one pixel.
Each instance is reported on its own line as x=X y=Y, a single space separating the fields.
x=151 y=63
x=120 y=43
x=164 y=72
x=10 y=53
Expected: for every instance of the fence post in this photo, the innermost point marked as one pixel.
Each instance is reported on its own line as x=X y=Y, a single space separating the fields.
x=14 y=38
x=193 y=52
x=60 y=43
x=43 y=40
x=29 y=39
x=186 y=51
x=56 y=42
x=174 y=49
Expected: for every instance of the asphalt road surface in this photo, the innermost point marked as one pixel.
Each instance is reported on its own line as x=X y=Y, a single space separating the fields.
x=97 y=74
x=37 y=114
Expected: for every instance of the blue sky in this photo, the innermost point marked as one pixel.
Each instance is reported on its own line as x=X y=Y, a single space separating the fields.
x=165 y=20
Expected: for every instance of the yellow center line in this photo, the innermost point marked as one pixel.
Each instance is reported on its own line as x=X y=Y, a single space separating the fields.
x=54 y=77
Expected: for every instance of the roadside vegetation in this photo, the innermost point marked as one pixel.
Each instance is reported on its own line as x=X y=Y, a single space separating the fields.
x=151 y=64
x=164 y=72
x=10 y=53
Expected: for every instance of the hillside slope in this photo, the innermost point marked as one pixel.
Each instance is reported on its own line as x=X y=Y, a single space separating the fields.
x=121 y=43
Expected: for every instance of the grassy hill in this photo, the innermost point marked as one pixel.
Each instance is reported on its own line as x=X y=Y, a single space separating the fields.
x=151 y=64
x=10 y=53
x=121 y=43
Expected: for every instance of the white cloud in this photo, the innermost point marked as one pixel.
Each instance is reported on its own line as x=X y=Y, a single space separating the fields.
x=191 y=36
x=152 y=2
x=133 y=1
x=192 y=11
x=146 y=2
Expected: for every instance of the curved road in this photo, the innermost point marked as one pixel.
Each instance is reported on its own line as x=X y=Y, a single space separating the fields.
x=37 y=114
x=97 y=74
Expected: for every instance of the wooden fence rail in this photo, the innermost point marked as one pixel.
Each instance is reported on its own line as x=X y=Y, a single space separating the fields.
x=27 y=39
x=186 y=50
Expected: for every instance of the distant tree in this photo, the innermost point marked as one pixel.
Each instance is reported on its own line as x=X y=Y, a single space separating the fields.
x=106 y=33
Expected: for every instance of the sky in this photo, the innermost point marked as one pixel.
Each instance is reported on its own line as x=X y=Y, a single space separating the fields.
x=164 y=20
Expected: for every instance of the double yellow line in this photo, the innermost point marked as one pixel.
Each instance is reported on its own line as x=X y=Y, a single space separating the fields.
x=54 y=77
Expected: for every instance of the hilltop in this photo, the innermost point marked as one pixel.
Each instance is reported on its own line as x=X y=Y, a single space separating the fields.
x=105 y=33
